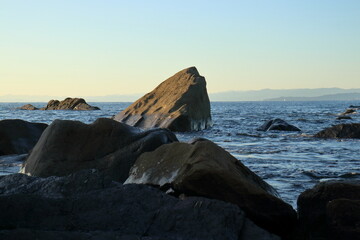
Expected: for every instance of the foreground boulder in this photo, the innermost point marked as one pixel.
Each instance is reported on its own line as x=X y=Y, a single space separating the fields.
x=112 y=147
x=331 y=210
x=66 y=104
x=18 y=136
x=180 y=103
x=87 y=205
x=343 y=217
x=277 y=124
x=205 y=169
x=351 y=130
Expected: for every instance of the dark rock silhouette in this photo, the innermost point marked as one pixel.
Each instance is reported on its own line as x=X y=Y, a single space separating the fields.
x=343 y=216
x=354 y=106
x=19 y=136
x=87 y=205
x=277 y=124
x=351 y=130
x=330 y=210
x=180 y=103
x=112 y=147
x=66 y=104
x=205 y=169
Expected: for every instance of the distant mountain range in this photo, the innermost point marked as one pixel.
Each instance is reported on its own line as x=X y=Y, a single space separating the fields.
x=330 y=97
x=317 y=94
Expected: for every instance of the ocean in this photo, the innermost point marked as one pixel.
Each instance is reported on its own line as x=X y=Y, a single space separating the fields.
x=289 y=161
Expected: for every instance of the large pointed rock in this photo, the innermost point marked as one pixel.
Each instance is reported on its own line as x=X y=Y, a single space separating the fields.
x=19 y=136
x=109 y=146
x=180 y=103
x=205 y=169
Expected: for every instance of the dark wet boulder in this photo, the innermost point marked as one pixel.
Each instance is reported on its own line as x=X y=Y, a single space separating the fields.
x=204 y=169
x=28 y=107
x=112 y=147
x=323 y=217
x=344 y=218
x=69 y=104
x=180 y=103
x=88 y=205
x=19 y=136
x=351 y=130
x=277 y=124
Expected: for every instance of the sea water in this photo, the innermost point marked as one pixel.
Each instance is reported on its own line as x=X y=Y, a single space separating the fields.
x=289 y=161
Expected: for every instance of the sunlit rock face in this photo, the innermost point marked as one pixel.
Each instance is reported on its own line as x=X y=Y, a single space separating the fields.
x=180 y=103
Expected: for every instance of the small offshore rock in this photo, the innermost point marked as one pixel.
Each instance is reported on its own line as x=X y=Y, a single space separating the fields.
x=28 y=107
x=66 y=104
x=19 y=136
x=349 y=111
x=180 y=103
x=277 y=124
x=351 y=130
x=354 y=107
x=69 y=104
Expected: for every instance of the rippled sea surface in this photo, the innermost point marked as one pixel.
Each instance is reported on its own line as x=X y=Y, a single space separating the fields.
x=289 y=161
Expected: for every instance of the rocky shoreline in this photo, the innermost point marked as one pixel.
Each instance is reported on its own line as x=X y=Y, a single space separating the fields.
x=196 y=177
x=110 y=180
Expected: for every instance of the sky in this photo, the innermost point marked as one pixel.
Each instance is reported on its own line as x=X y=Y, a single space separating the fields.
x=95 y=48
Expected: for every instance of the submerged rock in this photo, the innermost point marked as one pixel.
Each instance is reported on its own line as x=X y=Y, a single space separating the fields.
x=331 y=210
x=343 y=117
x=87 y=205
x=351 y=130
x=112 y=147
x=66 y=104
x=277 y=124
x=205 y=169
x=180 y=103
x=19 y=136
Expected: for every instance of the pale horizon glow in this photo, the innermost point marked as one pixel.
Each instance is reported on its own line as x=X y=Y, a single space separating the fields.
x=98 y=48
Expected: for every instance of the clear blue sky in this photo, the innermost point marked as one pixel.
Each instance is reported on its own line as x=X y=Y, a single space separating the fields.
x=92 y=48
